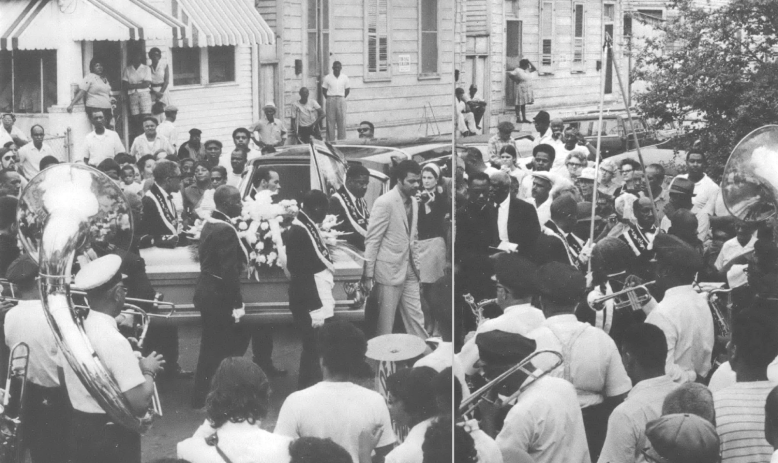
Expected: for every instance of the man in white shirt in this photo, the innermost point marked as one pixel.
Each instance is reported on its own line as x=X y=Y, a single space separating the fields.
x=644 y=351
x=543 y=157
x=705 y=189
x=136 y=84
x=95 y=438
x=542 y=122
x=740 y=408
x=545 y=421
x=241 y=137
x=100 y=143
x=167 y=127
x=515 y=225
x=742 y=243
x=307 y=115
x=237 y=167
x=591 y=359
x=46 y=414
x=515 y=290
x=336 y=88
x=681 y=196
x=268 y=131
x=30 y=155
x=683 y=315
x=542 y=183
x=9 y=132
x=150 y=141
x=336 y=408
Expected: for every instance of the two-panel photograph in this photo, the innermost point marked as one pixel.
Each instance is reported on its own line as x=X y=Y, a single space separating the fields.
x=388 y=231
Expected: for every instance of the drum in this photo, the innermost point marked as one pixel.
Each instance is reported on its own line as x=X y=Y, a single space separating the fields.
x=393 y=352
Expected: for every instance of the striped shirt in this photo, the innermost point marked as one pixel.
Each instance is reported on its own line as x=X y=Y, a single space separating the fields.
x=740 y=422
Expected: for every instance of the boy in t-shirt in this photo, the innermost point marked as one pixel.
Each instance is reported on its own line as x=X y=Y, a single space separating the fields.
x=128 y=185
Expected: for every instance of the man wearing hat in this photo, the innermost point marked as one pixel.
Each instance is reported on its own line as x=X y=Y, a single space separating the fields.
x=681 y=194
x=591 y=360
x=514 y=223
x=542 y=183
x=542 y=122
x=47 y=409
x=167 y=127
x=95 y=437
x=192 y=148
x=268 y=131
x=213 y=152
x=585 y=183
x=683 y=438
x=638 y=233
x=515 y=290
x=542 y=159
x=683 y=314
x=546 y=420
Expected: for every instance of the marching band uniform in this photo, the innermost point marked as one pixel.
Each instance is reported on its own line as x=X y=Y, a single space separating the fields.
x=572 y=244
x=546 y=420
x=353 y=214
x=46 y=406
x=310 y=290
x=160 y=225
x=95 y=437
x=217 y=297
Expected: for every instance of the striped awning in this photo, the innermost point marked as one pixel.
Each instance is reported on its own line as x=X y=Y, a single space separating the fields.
x=44 y=24
x=215 y=23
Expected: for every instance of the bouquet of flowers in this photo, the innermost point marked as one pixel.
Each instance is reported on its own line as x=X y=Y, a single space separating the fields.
x=328 y=232
x=260 y=228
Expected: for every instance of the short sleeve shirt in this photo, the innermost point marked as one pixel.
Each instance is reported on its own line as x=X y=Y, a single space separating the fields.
x=336 y=86
x=16 y=132
x=270 y=133
x=336 y=410
x=27 y=323
x=306 y=114
x=136 y=76
x=116 y=355
x=100 y=147
x=142 y=146
x=30 y=158
x=98 y=91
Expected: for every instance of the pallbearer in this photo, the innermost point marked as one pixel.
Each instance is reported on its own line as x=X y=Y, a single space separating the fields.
x=95 y=438
x=47 y=410
x=348 y=204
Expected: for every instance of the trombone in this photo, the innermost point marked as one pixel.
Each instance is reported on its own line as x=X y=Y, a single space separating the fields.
x=470 y=404
x=634 y=296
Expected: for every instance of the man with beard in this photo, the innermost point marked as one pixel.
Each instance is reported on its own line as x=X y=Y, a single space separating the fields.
x=349 y=205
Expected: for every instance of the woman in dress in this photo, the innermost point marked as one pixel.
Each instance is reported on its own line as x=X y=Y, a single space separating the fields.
x=238 y=400
x=433 y=209
x=96 y=91
x=160 y=80
x=524 y=96
x=194 y=193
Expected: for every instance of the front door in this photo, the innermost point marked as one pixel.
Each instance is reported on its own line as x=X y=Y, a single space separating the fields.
x=318 y=46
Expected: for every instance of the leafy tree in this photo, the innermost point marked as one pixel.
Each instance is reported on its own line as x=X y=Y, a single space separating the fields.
x=717 y=65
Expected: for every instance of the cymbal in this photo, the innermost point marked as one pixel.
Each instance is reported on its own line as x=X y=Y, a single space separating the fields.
x=395 y=347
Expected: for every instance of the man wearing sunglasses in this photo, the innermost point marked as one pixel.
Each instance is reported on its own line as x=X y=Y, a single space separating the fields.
x=366 y=130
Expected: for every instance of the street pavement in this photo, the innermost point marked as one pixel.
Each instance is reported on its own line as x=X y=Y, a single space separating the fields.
x=179 y=420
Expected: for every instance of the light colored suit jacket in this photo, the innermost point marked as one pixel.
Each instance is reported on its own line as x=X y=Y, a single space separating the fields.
x=388 y=244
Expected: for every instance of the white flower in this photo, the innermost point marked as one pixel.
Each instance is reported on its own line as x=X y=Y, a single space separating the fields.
x=243 y=226
x=261 y=259
x=260 y=245
x=253 y=256
x=264 y=225
x=272 y=255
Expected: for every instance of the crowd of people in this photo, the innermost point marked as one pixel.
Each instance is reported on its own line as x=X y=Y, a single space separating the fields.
x=658 y=372
x=170 y=189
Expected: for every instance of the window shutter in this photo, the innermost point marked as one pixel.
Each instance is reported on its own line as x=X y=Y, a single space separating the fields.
x=377 y=36
x=546 y=33
x=477 y=15
x=578 y=34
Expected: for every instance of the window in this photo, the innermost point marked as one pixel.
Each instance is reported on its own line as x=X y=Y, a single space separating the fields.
x=28 y=80
x=546 y=34
x=655 y=14
x=578 y=35
x=318 y=37
x=428 y=19
x=627 y=25
x=377 y=21
x=186 y=66
x=609 y=12
x=221 y=64
x=203 y=66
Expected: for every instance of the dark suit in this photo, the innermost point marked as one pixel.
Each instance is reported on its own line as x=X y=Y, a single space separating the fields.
x=154 y=224
x=217 y=293
x=523 y=225
x=354 y=237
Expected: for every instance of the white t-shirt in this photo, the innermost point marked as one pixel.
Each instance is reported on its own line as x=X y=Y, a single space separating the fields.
x=724 y=376
x=338 y=410
x=168 y=130
x=705 y=193
x=114 y=352
x=336 y=86
x=100 y=147
x=731 y=249
x=27 y=323
x=135 y=76
x=241 y=442
x=740 y=413
x=410 y=450
x=442 y=358
x=546 y=422
x=30 y=158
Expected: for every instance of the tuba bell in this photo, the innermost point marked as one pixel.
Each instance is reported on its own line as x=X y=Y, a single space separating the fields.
x=64 y=212
x=749 y=185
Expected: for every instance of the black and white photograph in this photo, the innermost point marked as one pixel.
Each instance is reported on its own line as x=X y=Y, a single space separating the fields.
x=388 y=231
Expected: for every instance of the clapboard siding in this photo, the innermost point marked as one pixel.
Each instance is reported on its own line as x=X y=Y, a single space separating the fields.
x=267 y=9
x=477 y=18
x=394 y=104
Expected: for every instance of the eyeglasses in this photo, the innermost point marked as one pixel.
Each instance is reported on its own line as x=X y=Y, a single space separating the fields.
x=627 y=171
x=8 y=158
x=363 y=130
x=574 y=164
x=216 y=179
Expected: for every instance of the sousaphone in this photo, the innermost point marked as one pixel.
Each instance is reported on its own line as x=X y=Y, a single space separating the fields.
x=749 y=186
x=63 y=212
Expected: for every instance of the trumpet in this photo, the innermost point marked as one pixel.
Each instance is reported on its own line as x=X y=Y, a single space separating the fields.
x=7 y=284
x=11 y=410
x=478 y=309
x=721 y=315
x=470 y=404
x=634 y=296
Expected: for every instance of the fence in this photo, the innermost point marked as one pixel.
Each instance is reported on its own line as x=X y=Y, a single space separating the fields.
x=61 y=145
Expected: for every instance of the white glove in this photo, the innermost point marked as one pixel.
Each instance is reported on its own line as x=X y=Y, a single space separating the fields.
x=586 y=252
x=238 y=313
x=507 y=246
